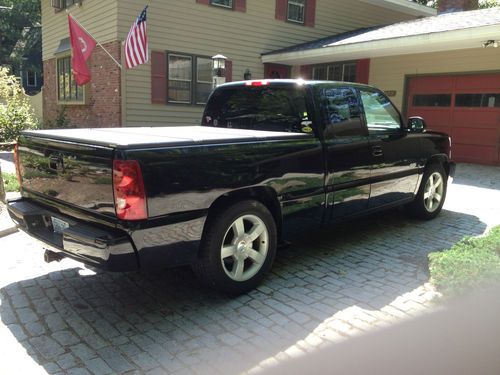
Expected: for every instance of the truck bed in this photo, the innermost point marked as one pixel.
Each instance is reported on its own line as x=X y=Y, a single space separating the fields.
x=158 y=136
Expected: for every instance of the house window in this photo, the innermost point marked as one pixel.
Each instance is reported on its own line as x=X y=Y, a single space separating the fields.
x=31 y=80
x=296 y=10
x=182 y=88
x=203 y=79
x=67 y=89
x=222 y=3
x=335 y=72
x=63 y=4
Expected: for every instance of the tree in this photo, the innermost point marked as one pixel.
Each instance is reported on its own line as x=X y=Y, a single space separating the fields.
x=482 y=3
x=16 y=113
x=20 y=34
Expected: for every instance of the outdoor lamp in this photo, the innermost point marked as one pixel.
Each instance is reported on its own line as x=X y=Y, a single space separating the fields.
x=219 y=69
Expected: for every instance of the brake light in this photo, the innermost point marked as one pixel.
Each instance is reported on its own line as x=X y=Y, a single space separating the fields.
x=17 y=164
x=130 y=195
x=257 y=83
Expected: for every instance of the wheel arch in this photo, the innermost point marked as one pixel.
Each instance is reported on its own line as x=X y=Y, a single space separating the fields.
x=439 y=159
x=263 y=194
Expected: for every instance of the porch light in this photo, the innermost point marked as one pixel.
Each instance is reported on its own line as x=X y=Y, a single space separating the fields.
x=219 y=69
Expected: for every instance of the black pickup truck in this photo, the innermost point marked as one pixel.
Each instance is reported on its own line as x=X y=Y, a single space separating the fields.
x=221 y=196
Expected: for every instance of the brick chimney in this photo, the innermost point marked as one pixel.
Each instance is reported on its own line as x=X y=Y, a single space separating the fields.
x=448 y=6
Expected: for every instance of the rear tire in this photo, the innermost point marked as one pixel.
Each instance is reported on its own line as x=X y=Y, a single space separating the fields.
x=431 y=193
x=238 y=248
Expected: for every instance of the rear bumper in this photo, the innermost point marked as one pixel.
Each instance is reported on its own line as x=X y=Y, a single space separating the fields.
x=106 y=248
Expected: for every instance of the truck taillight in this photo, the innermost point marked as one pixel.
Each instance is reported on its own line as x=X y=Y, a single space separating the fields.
x=130 y=195
x=18 y=165
x=257 y=83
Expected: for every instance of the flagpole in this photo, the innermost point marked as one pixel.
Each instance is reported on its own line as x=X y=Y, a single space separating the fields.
x=97 y=42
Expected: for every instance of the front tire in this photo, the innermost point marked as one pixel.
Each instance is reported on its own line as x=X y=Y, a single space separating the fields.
x=431 y=194
x=238 y=248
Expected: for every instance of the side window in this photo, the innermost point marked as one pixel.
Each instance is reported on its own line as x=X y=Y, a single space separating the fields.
x=340 y=112
x=381 y=116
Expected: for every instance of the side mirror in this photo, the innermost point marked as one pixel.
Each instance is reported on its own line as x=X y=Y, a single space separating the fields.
x=416 y=125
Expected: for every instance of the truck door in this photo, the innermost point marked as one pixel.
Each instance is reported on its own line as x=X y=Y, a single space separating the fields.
x=347 y=150
x=394 y=152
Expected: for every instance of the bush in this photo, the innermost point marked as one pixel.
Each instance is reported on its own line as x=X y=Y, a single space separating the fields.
x=470 y=264
x=10 y=182
x=16 y=113
x=61 y=120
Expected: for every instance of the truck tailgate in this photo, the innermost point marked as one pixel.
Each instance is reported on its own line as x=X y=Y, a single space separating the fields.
x=74 y=173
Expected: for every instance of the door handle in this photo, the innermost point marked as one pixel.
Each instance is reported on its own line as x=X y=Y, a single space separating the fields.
x=377 y=151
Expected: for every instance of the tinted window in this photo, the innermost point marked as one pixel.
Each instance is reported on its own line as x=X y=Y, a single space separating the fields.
x=340 y=111
x=478 y=100
x=280 y=109
x=432 y=100
x=381 y=116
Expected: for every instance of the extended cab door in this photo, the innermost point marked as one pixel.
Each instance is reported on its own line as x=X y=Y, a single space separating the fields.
x=347 y=150
x=394 y=152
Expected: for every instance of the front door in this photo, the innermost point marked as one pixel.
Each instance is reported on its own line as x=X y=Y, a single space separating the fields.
x=394 y=174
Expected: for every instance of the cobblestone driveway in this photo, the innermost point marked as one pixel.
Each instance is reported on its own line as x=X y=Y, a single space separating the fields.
x=326 y=287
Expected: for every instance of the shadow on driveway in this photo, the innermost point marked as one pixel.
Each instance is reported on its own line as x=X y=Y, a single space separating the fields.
x=117 y=322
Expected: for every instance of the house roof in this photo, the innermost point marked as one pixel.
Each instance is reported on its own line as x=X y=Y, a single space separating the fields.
x=424 y=28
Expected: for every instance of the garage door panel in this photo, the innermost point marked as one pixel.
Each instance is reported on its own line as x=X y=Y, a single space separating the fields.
x=477 y=82
x=432 y=84
x=476 y=118
x=478 y=137
x=433 y=118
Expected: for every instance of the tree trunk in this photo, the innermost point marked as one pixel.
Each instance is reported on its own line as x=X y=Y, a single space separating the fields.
x=2 y=189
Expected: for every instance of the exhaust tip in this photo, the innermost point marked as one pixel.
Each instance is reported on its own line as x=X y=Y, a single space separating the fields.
x=51 y=256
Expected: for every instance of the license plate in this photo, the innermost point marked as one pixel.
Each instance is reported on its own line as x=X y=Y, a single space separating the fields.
x=59 y=225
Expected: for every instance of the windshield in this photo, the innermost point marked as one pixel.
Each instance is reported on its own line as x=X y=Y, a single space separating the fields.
x=280 y=109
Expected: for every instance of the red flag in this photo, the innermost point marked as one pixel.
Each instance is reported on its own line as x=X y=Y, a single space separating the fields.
x=82 y=45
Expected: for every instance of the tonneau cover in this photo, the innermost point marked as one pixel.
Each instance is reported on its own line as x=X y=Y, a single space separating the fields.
x=151 y=136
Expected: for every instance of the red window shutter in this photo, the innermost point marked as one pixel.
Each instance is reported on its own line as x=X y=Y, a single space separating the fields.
x=229 y=71
x=240 y=5
x=306 y=71
x=206 y=2
x=281 y=9
x=363 y=71
x=310 y=13
x=158 y=77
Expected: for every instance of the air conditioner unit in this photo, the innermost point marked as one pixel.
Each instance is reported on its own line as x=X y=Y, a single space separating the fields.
x=57 y=4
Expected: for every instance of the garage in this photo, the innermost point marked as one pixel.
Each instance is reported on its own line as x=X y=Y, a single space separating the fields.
x=465 y=106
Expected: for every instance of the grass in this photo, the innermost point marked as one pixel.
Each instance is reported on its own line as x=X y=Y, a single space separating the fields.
x=10 y=182
x=472 y=263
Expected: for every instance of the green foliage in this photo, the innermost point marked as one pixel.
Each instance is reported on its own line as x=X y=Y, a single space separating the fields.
x=61 y=120
x=10 y=182
x=16 y=113
x=20 y=33
x=489 y=4
x=482 y=3
x=470 y=264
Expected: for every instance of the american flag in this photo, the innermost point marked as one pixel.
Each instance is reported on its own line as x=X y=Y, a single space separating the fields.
x=136 y=46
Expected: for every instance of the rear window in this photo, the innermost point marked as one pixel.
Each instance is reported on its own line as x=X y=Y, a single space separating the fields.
x=279 y=109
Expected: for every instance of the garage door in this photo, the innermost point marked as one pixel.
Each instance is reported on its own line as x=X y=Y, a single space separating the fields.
x=465 y=106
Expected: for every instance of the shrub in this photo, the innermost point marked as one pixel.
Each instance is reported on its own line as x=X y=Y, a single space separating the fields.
x=470 y=264
x=61 y=120
x=16 y=113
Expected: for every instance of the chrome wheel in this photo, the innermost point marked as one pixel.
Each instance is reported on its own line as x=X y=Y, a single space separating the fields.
x=244 y=248
x=433 y=192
